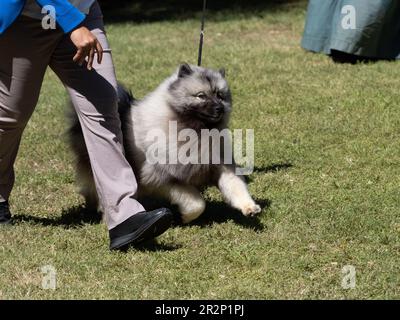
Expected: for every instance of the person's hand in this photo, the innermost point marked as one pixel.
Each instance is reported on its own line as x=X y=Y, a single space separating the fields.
x=87 y=45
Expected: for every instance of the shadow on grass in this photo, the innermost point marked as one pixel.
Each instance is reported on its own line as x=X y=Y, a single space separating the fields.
x=74 y=217
x=159 y=10
x=219 y=212
x=273 y=168
x=347 y=58
x=154 y=246
x=216 y=212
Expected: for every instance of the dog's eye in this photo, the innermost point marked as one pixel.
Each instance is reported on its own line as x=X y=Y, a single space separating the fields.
x=220 y=95
x=201 y=95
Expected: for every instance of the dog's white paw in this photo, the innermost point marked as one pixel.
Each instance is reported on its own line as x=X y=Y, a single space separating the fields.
x=251 y=210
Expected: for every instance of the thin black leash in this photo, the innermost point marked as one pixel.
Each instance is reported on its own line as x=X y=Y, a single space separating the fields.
x=203 y=20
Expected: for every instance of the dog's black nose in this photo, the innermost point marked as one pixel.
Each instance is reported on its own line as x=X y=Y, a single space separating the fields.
x=219 y=109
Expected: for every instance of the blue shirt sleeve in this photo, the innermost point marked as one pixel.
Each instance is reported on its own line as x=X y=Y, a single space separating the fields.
x=9 y=11
x=67 y=16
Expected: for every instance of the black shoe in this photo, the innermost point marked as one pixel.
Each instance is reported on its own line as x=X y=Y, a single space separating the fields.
x=5 y=215
x=140 y=227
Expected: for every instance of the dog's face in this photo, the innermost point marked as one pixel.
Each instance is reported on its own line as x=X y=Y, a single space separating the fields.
x=202 y=94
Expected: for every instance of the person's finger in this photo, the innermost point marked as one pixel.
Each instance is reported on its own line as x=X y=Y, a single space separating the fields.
x=78 y=55
x=82 y=59
x=91 y=58
x=99 y=50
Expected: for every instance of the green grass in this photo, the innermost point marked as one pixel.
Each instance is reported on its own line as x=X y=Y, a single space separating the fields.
x=327 y=154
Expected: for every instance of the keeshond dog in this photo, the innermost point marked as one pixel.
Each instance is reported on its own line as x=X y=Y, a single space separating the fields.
x=193 y=98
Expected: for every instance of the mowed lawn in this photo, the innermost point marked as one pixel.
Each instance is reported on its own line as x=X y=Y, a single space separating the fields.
x=327 y=156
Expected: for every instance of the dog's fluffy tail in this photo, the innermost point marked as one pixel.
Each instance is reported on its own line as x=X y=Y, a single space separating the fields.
x=125 y=99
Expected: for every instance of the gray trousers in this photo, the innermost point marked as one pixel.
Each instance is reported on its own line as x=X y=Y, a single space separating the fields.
x=26 y=49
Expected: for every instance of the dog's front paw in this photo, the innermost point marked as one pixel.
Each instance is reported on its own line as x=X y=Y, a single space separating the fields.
x=251 y=210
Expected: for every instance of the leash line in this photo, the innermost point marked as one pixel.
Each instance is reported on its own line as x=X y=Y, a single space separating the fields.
x=203 y=20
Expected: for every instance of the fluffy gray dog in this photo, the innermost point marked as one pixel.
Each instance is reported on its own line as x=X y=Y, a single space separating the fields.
x=192 y=98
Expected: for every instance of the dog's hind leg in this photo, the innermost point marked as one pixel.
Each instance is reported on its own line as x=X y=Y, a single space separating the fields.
x=87 y=187
x=188 y=199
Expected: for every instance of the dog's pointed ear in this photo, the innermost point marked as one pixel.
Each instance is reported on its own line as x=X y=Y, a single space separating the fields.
x=184 y=70
x=222 y=72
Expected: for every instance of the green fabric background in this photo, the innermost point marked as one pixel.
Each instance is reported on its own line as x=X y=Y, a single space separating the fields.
x=377 y=33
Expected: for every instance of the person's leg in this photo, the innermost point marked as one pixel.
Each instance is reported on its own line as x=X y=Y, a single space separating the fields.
x=93 y=94
x=25 y=52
